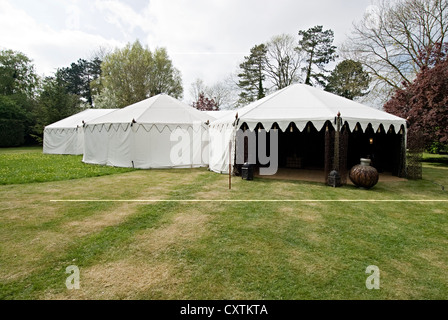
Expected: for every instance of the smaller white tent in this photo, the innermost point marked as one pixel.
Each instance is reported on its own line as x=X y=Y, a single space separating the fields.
x=67 y=135
x=158 y=132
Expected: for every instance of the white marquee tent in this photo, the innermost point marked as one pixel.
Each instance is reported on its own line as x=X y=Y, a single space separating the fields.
x=216 y=114
x=159 y=132
x=66 y=136
x=298 y=104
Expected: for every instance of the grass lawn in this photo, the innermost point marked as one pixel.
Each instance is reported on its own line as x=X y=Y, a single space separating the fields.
x=212 y=249
x=26 y=165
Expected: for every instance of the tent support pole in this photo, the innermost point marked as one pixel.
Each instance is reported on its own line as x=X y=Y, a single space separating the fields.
x=230 y=165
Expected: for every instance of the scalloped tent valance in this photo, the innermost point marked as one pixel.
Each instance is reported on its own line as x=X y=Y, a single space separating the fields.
x=300 y=104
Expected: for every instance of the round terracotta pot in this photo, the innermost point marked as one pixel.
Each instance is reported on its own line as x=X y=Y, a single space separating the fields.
x=363 y=175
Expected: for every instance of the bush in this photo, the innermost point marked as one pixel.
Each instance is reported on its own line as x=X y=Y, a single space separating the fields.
x=12 y=129
x=437 y=147
x=12 y=133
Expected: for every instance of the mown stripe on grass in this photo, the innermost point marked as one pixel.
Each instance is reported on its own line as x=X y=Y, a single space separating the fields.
x=90 y=250
x=257 y=251
x=251 y=200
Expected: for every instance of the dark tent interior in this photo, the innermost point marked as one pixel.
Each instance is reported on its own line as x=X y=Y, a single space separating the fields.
x=313 y=149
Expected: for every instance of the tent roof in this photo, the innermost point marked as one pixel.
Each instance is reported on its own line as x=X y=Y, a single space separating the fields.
x=159 y=109
x=300 y=103
x=77 y=119
x=216 y=114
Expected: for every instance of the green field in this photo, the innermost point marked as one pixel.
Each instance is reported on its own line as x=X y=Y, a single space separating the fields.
x=26 y=165
x=215 y=249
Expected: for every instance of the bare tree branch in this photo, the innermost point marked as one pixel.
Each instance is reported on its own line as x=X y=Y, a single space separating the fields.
x=389 y=40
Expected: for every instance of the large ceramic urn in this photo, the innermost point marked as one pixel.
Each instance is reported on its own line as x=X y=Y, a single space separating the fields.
x=363 y=175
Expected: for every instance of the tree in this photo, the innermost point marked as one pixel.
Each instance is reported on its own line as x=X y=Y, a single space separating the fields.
x=134 y=73
x=106 y=99
x=126 y=72
x=55 y=102
x=388 y=39
x=424 y=102
x=196 y=88
x=205 y=104
x=317 y=46
x=164 y=77
x=17 y=75
x=19 y=83
x=79 y=76
x=283 y=61
x=221 y=93
x=12 y=120
x=348 y=80
x=252 y=75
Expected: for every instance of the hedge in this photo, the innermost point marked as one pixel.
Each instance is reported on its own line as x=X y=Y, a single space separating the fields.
x=12 y=133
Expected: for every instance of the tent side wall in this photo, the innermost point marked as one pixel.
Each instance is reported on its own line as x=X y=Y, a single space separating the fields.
x=165 y=146
x=66 y=136
x=146 y=146
x=219 y=152
x=108 y=145
x=80 y=141
x=62 y=141
x=96 y=148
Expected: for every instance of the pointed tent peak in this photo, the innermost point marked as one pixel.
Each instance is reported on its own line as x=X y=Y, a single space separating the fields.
x=279 y=103
x=166 y=109
x=158 y=109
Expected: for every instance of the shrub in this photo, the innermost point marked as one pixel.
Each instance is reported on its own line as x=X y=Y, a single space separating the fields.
x=12 y=133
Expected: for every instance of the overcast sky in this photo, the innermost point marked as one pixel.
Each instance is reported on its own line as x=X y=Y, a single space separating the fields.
x=206 y=39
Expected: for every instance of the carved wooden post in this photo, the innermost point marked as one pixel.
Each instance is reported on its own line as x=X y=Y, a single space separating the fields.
x=334 y=178
x=336 y=142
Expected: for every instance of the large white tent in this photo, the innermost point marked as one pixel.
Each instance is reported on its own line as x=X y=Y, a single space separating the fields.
x=159 y=132
x=67 y=135
x=298 y=104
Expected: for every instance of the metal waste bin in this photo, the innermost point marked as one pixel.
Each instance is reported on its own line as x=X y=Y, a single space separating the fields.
x=334 y=179
x=247 y=171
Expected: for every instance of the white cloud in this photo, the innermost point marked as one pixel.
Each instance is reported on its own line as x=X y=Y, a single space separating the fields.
x=122 y=15
x=49 y=48
x=206 y=39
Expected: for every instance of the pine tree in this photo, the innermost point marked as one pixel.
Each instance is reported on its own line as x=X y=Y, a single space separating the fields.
x=252 y=75
x=348 y=80
x=317 y=45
